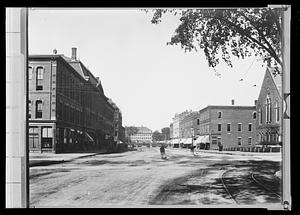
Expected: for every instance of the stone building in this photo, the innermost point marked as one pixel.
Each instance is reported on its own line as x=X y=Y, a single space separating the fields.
x=67 y=108
x=228 y=126
x=144 y=135
x=269 y=109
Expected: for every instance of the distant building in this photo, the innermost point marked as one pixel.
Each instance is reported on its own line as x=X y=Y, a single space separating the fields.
x=228 y=126
x=144 y=135
x=68 y=110
x=188 y=125
x=176 y=124
x=269 y=109
x=171 y=131
x=119 y=130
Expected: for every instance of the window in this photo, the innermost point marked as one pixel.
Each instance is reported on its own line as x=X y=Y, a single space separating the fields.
x=276 y=112
x=30 y=73
x=219 y=127
x=250 y=127
x=254 y=115
x=219 y=141
x=239 y=141
x=198 y=121
x=33 y=137
x=240 y=127
x=268 y=110
x=47 y=132
x=228 y=127
x=259 y=116
x=29 y=109
x=219 y=114
x=39 y=78
x=39 y=109
x=249 y=140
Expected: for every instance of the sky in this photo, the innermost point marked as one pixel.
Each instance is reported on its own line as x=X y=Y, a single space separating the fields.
x=147 y=79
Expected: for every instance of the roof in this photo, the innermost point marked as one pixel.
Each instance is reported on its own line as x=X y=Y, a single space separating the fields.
x=228 y=107
x=143 y=129
x=277 y=78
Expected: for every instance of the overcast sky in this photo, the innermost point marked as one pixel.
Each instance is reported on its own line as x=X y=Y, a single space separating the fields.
x=147 y=79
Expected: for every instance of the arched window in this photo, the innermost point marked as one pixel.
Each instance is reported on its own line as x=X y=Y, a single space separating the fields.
x=254 y=115
x=268 y=110
x=277 y=109
x=259 y=116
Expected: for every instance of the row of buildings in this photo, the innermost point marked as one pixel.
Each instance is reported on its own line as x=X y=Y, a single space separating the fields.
x=67 y=108
x=232 y=126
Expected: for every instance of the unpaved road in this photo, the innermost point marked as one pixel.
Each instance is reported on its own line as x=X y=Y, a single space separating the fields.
x=139 y=178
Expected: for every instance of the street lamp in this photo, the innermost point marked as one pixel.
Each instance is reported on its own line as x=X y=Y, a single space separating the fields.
x=192 y=130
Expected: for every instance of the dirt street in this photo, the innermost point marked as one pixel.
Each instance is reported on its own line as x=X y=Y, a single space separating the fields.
x=141 y=178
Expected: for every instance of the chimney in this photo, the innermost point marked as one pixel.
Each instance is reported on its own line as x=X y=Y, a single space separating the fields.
x=232 y=101
x=255 y=102
x=74 y=53
x=54 y=51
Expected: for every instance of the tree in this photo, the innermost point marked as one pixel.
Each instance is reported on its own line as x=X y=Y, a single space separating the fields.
x=130 y=130
x=239 y=32
x=165 y=133
x=157 y=136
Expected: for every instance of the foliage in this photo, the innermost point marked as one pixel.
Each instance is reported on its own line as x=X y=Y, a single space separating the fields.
x=240 y=32
x=131 y=130
x=157 y=136
x=165 y=133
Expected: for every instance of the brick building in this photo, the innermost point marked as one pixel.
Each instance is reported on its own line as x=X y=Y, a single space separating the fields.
x=188 y=128
x=68 y=110
x=269 y=109
x=228 y=126
x=119 y=130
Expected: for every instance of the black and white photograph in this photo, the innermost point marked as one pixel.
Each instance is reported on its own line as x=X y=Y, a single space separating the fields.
x=148 y=107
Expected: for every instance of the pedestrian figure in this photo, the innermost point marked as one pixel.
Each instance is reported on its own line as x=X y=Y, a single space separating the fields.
x=162 y=152
x=193 y=150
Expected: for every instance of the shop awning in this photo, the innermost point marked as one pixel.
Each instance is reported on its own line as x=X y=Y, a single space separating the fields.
x=202 y=139
x=188 y=141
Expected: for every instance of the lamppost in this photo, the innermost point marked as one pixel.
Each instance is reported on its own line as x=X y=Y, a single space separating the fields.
x=192 y=130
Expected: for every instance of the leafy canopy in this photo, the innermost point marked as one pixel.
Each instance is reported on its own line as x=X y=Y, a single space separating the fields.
x=240 y=32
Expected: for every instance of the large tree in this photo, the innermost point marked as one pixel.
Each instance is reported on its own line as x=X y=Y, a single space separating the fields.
x=165 y=133
x=221 y=33
x=157 y=136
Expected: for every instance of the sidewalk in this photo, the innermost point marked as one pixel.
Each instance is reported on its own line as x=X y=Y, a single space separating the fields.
x=45 y=159
x=236 y=152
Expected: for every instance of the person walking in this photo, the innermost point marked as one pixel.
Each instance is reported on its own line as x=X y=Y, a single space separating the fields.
x=193 y=150
x=162 y=152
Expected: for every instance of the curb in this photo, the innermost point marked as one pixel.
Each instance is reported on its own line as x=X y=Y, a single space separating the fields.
x=33 y=163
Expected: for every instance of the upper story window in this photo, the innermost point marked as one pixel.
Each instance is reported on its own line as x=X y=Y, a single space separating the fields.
x=249 y=140
x=30 y=73
x=268 y=110
x=239 y=141
x=250 y=127
x=259 y=116
x=277 y=109
x=39 y=109
x=198 y=121
x=219 y=114
x=29 y=109
x=228 y=127
x=219 y=127
x=254 y=115
x=40 y=73
x=240 y=127
x=39 y=78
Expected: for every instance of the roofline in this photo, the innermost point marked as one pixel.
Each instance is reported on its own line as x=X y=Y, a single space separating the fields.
x=273 y=79
x=227 y=107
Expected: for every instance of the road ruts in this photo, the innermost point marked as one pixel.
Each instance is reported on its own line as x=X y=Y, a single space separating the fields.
x=243 y=188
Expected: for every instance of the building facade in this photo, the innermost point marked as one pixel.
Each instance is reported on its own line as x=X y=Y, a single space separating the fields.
x=228 y=126
x=144 y=135
x=177 y=119
x=119 y=130
x=68 y=110
x=269 y=109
